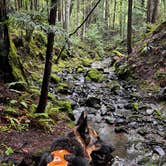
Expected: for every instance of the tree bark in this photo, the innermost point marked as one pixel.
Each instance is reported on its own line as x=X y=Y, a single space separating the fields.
x=155 y=11
x=129 y=27
x=149 y=5
x=114 y=15
x=78 y=16
x=67 y=15
x=48 y=64
x=107 y=13
x=5 y=68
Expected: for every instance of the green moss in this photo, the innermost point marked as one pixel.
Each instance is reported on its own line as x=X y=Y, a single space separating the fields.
x=114 y=85
x=15 y=63
x=80 y=69
x=61 y=86
x=95 y=75
x=123 y=70
x=65 y=106
x=160 y=75
x=116 y=52
x=51 y=96
x=55 y=78
x=87 y=62
x=135 y=106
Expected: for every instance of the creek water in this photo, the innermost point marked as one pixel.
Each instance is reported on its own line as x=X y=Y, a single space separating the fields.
x=115 y=108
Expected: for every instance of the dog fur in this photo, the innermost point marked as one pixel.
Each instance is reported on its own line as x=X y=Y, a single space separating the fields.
x=85 y=147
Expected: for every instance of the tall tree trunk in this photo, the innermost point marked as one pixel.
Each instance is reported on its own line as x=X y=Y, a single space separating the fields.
x=120 y=18
x=149 y=6
x=129 y=27
x=114 y=15
x=48 y=64
x=60 y=11
x=67 y=15
x=106 y=12
x=155 y=11
x=78 y=16
x=5 y=68
x=84 y=15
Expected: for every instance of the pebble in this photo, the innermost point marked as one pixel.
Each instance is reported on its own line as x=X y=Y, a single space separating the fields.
x=159 y=150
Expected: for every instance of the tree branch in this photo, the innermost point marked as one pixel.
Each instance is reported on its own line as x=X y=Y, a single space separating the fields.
x=86 y=18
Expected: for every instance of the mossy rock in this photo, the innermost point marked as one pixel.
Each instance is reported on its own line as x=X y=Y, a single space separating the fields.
x=95 y=75
x=87 y=62
x=80 y=69
x=15 y=63
x=114 y=85
x=55 y=78
x=61 y=86
x=123 y=70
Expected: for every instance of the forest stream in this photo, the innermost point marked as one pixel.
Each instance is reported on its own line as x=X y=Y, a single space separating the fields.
x=121 y=116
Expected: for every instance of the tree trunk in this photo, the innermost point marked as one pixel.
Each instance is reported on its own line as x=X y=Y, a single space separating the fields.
x=148 y=17
x=120 y=19
x=78 y=16
x=155 y=11
x=84 y=15
x=107 y=13
x=60 y=11
x=48 y=64
x=67 y=15
x=129 y=27
x=5 y=68
x=114 y=15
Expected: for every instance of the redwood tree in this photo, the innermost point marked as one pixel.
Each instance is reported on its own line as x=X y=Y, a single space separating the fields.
x=48 y=64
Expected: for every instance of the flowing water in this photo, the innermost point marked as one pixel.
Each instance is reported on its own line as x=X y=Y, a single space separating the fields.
x=136 y=128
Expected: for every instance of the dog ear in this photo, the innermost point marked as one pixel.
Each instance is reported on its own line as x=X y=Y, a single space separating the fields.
x=82 y=124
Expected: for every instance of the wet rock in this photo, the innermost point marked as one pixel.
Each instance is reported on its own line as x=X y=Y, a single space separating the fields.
x=159 y=150
x=111 y=108
x=128 y=106
x=93 y=102
x=155 y=157
x=142 y=131
x=120 y=121
x=133 y=125
x=110 y=120
x=162 y=94
x=120 y=129
x=149 y=111
x=104 y=110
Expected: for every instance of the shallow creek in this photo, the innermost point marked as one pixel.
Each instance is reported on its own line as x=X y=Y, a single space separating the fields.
x=136 y=128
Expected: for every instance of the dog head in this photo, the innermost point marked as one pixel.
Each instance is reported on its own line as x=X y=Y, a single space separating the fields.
x=96 y=150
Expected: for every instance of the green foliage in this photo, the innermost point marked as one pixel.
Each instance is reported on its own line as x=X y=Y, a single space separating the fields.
x=160 y=75
x=95 y=75
x=87 y=62
x=116 y=52
x=9 y=151
x=55 y=78
x=15 y=63
x=136 y=106
x=93 y=35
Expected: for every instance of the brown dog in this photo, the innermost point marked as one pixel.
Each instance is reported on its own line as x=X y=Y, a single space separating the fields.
x=80 y=147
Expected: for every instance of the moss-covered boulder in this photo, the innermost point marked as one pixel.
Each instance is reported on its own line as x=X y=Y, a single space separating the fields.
x=55 y=78
x=95 y=75
x=15 y=63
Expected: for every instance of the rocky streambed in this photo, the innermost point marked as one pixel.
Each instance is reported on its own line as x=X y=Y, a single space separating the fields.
x=124 y=118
